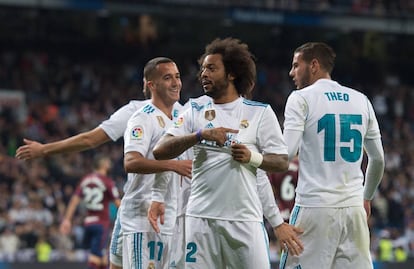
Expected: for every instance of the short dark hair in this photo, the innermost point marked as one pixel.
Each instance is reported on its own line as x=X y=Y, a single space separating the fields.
x=237 y=60
x=320 y=51
x=99 y=159
x=151 y=66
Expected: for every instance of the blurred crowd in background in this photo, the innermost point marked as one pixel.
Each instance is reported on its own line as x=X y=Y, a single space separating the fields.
x=67 y=92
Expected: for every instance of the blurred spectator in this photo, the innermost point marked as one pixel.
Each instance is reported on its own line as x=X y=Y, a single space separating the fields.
x=43 y=249
x=70 y=88
x=9 y=244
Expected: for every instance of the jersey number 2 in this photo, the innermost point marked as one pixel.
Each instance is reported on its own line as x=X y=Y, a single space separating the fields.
x=350 y=153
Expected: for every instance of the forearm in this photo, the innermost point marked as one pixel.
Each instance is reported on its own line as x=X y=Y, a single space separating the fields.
x=169 y=147
x=70 y=210
x=275 y=163
x=375 y=168
x=267 y=199
x=77 y=143
x=142 y=165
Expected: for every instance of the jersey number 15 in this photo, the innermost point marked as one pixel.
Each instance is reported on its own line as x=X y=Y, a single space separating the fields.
x=350 y=153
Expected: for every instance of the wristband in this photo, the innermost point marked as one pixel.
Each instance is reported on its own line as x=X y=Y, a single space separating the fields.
x=256 y=159
x=198 y=135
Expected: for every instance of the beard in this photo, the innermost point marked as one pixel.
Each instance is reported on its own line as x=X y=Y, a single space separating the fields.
x=305 y=81
x=218 y=89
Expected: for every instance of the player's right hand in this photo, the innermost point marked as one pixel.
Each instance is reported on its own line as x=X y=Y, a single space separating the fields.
x=30 y=150
x=217 y=134
x=288 y=236
x=65 y=227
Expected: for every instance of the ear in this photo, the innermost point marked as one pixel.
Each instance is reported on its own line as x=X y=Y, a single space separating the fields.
x=150 y=85
x=230 y=77
x=314 y=65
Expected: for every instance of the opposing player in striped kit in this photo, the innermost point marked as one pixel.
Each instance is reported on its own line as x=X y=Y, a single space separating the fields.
x=96 y=190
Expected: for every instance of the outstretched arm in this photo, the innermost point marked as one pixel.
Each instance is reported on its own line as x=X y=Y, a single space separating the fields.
x=77 y=143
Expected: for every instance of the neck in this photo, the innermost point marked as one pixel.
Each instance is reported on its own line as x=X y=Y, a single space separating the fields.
x=321 y=76
x=230 y=96
x=102 y=172
x=164 y=107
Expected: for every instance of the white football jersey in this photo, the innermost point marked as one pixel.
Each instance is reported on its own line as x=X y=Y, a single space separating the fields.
x=335 y=121
x=115 y=126
x=143 y=131
x=221 y=187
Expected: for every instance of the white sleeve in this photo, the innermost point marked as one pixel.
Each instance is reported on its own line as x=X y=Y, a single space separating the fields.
x=375 y=168
x=115 y=126
x=270 y=135
x=159 y=188
x=296 y=111
x=270 y=209
x=293 y=139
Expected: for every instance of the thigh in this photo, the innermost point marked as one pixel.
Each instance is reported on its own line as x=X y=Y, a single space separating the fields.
x=353 y=250
x=145 y=250
x=115 y=247
x=321 y=236
x=202 y=246
x=97 y=236
x=244 y=245
x=177 y=257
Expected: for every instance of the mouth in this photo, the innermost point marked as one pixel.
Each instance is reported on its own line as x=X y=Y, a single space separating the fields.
x=174 y=90
x=205 y=83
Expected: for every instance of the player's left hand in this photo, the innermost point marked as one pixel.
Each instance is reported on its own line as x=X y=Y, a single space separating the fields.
x=156 y=209
x=240 y=153
x=288 y=237
x=367 y=206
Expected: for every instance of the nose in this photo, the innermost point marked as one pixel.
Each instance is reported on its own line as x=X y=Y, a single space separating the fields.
x=177 y=82
x=291 y=72
x=203 y=73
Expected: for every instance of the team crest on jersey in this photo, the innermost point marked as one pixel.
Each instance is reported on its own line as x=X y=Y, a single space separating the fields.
x=137 y=132
x=161 y=121
x=151 y=265
x=244 y=124
x=210 y=114
x=178 y=122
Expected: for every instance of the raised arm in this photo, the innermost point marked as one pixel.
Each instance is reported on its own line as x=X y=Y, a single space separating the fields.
x=170 y=146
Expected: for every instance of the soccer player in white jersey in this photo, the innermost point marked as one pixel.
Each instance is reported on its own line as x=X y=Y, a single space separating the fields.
x=143 y=247
x=330 y=125
x=157 y=210
x=232 y=137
